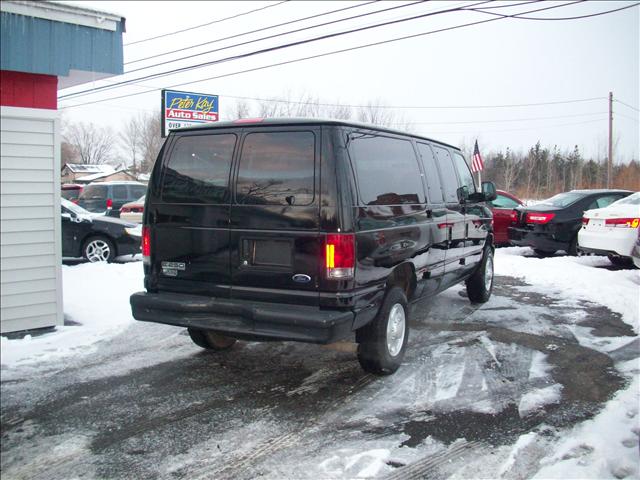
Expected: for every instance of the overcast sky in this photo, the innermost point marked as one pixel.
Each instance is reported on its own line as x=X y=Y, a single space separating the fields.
x=507 y=61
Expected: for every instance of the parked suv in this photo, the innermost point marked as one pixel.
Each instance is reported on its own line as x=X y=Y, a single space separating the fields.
x=310 y=231
x=109 y=197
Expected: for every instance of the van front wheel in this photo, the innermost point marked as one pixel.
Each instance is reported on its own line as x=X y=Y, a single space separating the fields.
x=210 y=340
x=480 y=284
x=382 y=343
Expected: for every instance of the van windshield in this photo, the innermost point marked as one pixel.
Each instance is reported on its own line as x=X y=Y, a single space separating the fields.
x=94 y=192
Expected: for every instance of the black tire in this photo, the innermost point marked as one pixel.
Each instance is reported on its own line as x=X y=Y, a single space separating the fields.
x=620 y=261
x=98 y=249
x=210 y=340
x=480 y=284
x=377 y=353
x=572 y=251
x=543 y=253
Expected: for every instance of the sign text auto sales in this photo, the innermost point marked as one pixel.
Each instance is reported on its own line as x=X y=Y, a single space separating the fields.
x=184 y=109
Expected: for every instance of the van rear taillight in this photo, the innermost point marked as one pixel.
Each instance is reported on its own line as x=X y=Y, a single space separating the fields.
x=109 y=203
x=146 y=245
x=340 y=257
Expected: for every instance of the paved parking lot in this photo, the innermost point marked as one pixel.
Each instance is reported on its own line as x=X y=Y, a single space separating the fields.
x=150 y=404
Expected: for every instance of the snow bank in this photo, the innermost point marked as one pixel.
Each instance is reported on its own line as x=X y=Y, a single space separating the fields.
x=96 y=295
x=577 y=279
x=604 y=447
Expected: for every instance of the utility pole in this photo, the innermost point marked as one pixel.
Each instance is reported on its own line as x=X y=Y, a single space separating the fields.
x=610 y=159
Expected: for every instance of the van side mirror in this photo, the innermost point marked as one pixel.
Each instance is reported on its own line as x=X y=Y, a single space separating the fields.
x=489 y=191
x=463 y=194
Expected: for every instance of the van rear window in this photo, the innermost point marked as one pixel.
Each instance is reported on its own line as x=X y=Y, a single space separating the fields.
x=198 y=169
x=277 y=168
x=386 y=169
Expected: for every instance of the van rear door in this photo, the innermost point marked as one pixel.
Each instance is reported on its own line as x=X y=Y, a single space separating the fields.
x=276 y=246
x=190 y=218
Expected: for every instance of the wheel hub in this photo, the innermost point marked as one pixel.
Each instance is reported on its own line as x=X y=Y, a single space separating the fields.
x=395 y=329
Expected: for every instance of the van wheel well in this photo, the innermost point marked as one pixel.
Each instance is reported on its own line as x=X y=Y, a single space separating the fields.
x=404 y=276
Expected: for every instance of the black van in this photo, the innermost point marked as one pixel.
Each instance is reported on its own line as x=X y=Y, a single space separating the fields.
x=309 y=230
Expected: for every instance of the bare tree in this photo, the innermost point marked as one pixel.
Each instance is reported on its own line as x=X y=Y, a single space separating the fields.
x=93 y=145
x=130 y=138
x=510 y=171
x=150 y=141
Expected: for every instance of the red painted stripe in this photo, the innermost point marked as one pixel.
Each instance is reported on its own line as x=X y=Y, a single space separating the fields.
x=28 y=90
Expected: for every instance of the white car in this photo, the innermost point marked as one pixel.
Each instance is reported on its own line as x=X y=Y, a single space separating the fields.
x=132 y=211
x=613 y=231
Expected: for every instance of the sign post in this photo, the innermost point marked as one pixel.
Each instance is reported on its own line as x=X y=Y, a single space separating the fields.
x=185 y=109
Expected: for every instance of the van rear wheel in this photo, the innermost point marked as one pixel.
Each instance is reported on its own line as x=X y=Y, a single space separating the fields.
x=382 y=343
x=210 y=340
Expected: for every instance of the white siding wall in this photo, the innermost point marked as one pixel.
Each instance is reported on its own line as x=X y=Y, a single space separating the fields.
x=30 y=249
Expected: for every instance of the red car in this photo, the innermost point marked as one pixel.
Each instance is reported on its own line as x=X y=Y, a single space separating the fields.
x=503 y=215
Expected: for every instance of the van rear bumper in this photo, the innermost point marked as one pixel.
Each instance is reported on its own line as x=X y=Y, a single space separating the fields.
x=244 y=319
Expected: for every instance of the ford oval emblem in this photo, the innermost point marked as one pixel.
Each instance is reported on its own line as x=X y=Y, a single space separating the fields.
x=301 y=278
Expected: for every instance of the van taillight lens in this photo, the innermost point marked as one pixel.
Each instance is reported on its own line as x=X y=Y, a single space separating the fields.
x=539 y=218
x=622 y=222
x=585 y=221
x=146 y=245
x=109 y=203
x=340 y=257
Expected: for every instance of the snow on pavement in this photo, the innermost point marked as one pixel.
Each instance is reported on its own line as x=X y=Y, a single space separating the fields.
x=606 y=446
x=576 y=278
x=96 y=296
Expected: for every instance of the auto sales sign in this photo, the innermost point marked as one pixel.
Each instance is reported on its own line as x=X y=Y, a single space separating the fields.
x=184 y=109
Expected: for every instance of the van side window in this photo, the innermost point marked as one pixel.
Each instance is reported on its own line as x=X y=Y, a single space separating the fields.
x=449 y=178
x=465 y=173
x=198 y=169
x=431 y=173
x=386 y=169
x=277 y=168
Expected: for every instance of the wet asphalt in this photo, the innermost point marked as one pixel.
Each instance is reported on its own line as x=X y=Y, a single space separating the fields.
x=150 y=404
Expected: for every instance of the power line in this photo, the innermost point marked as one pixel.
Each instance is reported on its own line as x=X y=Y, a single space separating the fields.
x=473 y=122
x=249 y=32
x=270 y=37
x=358 y=47
x=626 y=105
x=579 y=17
x=415 y=107
x=518 y=129
x=267 y=50
x=205 y=24
x=627 y=116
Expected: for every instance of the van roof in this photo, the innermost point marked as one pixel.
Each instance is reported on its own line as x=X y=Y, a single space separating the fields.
x=255 y=122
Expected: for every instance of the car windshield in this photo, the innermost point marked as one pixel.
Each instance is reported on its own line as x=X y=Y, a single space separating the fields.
x=72 y=207
x=563 y=199
x=633 y=199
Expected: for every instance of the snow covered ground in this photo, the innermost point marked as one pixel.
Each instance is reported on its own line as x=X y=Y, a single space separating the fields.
x=435 y=384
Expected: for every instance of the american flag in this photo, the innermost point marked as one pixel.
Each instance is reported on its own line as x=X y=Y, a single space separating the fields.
x=477 y=165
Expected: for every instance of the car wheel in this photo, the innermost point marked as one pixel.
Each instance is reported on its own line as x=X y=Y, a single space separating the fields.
x=480 y=284
x=383 y=341
x=210 y=340
x=99 y=249
x=620 y=261
x=573 y=247
x=543 y=253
